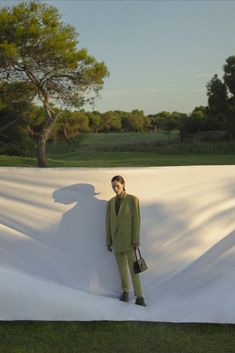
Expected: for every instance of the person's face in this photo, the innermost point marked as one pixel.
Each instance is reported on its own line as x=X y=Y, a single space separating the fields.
x=118 y=188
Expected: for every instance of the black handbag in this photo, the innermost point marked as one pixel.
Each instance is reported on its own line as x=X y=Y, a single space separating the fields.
x=139 y=264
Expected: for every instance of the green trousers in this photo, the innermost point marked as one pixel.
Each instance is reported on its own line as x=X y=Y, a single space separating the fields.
x=125 y=260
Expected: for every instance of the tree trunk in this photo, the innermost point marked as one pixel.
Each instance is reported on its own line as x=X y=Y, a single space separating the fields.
x=42 y=141
x=66 y=137
x=41 y=152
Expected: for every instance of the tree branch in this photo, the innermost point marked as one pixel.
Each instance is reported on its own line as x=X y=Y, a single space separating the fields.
x=10 y=123
x=6 y=144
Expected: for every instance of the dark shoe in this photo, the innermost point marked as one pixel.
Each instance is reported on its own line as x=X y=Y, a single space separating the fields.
x=140 y=301
x=124 y=297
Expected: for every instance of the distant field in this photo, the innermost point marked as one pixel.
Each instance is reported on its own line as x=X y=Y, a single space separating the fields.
x=129 y=149
x=125 y=138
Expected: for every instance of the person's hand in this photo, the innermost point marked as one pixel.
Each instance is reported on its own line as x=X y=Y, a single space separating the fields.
x=109 y=247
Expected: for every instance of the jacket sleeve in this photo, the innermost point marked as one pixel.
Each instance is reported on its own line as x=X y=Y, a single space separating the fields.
x=135 y=221
x=108 y=225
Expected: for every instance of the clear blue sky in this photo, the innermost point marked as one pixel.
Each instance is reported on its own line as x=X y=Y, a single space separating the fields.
x=160 y=54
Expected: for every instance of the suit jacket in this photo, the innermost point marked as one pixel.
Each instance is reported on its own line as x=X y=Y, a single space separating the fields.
x=123 y=229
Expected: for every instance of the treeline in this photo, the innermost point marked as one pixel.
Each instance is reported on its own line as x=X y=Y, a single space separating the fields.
x=22 y=122
x=72 y=123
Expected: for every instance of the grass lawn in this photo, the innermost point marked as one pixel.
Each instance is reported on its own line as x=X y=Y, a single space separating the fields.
x=115 y=337
x=124 y=138
x=120 y=159
x=129 y=149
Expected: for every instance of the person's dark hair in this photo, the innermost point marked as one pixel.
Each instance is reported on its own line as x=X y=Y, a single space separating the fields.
x=119 y=179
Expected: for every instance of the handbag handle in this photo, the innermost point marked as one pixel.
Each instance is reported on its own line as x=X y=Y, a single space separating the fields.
x=136 y=254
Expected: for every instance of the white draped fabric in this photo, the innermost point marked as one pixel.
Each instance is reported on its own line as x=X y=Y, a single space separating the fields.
x=53 y=259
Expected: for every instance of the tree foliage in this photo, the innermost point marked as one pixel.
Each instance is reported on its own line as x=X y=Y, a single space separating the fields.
x=15 y=102
x=229 y=74
x=217 y=96
x=36 y=47
x=221 y=97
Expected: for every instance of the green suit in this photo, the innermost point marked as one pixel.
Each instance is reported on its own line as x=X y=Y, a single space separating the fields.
x=123 y=231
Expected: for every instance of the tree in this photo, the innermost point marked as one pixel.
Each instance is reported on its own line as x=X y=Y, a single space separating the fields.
x=70 y=124
x=147 y=123
x=111 y=121
x=95 y=118
x=168 y=124
x=199 y=112
x=134 y=121
x=36 y=47
x=153 y=121
x=229 y=79
x=221 y=97
x=229 y=74
x=15 y=103
x=161 y=117
x=217 y=96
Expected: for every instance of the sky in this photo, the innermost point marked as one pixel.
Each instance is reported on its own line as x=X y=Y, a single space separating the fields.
x=160 y=54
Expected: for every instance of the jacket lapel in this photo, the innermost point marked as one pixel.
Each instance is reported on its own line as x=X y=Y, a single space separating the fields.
x=122 y=208
x=116 y=218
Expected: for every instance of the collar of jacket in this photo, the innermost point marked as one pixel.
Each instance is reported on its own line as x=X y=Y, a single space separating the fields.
x=121 y=197
x=122 y=205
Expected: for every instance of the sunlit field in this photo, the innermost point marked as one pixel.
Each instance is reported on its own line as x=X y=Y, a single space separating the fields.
x=129 y=149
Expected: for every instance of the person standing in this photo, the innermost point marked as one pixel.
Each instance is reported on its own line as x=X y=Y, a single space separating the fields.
x=123 y=236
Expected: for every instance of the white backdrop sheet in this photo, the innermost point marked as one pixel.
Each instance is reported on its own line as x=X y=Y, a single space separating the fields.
x=53 y=259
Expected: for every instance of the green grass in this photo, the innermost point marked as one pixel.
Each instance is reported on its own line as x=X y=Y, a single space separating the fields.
x=17 y=161
x=123 y=159
x=124 y=138
x=115 y=337
x=129 y=149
